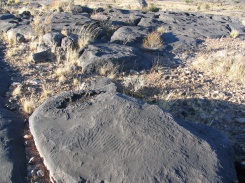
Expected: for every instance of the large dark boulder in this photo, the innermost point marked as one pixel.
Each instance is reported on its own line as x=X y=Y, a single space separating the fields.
x=129 y=35
x=105 y=136
x=110 y=56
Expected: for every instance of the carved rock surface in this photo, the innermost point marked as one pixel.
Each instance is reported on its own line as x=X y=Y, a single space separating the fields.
x=105 y=136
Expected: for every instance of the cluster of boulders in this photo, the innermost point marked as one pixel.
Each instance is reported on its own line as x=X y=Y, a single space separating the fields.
x=118 y=31
x=100 y=135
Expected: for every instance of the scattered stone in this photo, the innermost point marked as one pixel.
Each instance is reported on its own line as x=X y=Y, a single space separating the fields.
x=31 y=160
x=40 y=173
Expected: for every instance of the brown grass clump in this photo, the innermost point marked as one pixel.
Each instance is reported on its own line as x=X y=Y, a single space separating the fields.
x=153 y=40
x=42 y=25
x=28 y=105
x=224 y=57
x=17 y=91
x=87 y=34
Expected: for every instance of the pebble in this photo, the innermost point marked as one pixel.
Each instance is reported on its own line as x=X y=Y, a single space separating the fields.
x=40 y=173
x=31 y=160
x=27 y=143
x=28 y=136
x=32 y=89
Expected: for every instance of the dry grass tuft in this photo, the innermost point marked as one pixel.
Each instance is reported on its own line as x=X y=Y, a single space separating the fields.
x=63 y=71
x=62 y=79
x=59 y=5
x=42 y=23
x=28 y=105
x=153 y=40
x=87 y=34
x=234 y=33
x=161 y=30
x=46 y=92
x=223 y=57
x=71 y=56
x=17 y=91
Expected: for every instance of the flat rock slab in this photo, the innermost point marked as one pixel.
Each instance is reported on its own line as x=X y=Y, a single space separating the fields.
x=100 y=136
x=12 y=152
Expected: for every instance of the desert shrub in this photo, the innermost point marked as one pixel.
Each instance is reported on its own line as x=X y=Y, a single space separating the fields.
x=41 y=24
x=153 y=8
x=234 y=33
x=28 y=105
x=107 y=27
x=65 y=6
x=207 y=6
x=229 y=61
x=153 y=40
x=87 y=34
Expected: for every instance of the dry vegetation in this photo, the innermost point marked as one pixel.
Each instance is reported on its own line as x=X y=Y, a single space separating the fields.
x=153 y=40
x=223 y=57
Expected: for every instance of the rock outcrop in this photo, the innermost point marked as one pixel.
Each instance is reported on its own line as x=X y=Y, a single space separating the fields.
x=104 y=136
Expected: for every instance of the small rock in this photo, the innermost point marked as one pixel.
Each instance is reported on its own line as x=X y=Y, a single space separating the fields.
x=27 y=137
x=240 y=120
x=32 y=89
x=134 y=72
x=40 y=173
x=35 y=81
x=31 y=160
x=27 y=143
x=43 y=56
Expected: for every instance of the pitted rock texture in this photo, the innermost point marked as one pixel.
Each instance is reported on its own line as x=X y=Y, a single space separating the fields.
x=110 y=137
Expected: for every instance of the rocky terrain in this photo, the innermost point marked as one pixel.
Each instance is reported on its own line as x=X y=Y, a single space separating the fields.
x=100 y=86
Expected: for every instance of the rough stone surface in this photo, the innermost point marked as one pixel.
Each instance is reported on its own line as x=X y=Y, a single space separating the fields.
x=12 y=152
x=129 y=35
x=43 y=56
x=109 y=137
x=52 y=39
x=63 y=20
x=111 y=55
